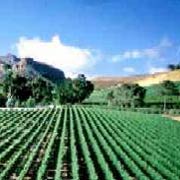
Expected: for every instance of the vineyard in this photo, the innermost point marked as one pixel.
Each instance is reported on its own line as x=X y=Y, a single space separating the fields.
x=83 y=143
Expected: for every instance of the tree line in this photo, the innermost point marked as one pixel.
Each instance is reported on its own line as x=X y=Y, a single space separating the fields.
x=173 y=67
x=24 y=91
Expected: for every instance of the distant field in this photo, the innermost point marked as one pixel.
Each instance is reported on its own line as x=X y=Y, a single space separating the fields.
x=83 y=143
x=99 y=96
x=153 y=96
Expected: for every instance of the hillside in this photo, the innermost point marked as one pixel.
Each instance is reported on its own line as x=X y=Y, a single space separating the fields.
x=143 y=80
x=30 y=67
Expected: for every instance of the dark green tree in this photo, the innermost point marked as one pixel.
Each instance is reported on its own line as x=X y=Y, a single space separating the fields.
x=127 y=95
x=41 y=90
x=82 y=88
x=3 y=100
x=20 y=88
x=64 y=92
x=7 y=82
x=74 y=91
x=168 y=88
x=15 y=86
x=173 y=67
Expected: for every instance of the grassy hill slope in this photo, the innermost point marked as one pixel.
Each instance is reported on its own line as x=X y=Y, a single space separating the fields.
x=143 y=80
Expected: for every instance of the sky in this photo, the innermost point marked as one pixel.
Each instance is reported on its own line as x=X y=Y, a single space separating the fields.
x=94 y=37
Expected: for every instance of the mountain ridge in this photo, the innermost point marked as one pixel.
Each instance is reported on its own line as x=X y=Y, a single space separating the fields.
x=31 y=67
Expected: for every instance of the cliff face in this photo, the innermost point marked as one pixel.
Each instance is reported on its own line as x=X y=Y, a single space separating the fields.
x=9 y=59
x=29 y=67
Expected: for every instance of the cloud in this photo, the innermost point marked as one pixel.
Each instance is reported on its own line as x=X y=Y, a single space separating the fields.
x=72 y=60
x=153 y=70
x=155 y=52
x=137 y=54
x=129 y=69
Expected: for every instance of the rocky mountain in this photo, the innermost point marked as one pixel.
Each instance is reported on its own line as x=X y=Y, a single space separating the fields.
x=30 y=67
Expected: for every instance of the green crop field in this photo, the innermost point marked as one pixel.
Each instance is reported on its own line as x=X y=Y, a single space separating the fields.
x=83 y=143
x=99 y=96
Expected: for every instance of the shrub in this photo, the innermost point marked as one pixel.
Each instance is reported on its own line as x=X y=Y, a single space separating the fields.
x=31 y=102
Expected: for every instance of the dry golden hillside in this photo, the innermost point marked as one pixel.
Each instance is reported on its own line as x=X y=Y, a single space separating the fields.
x=143 y=80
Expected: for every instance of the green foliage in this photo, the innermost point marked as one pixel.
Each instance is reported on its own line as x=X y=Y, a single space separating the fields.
x=173 y=66
x=17 y=103
x=82 y=88
x=10 y=101
x=6 y=67
x=7 y=82
x=16 y=86
x=64 y=92
x=31 y=102
x=153 y=99
x=73 y=90
x=99 y=96
x=127 y=95
x=168 y=88
x=41 y=90
x=34 y=86
x=153 y=94
x=20 y=88
x=3 y=100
